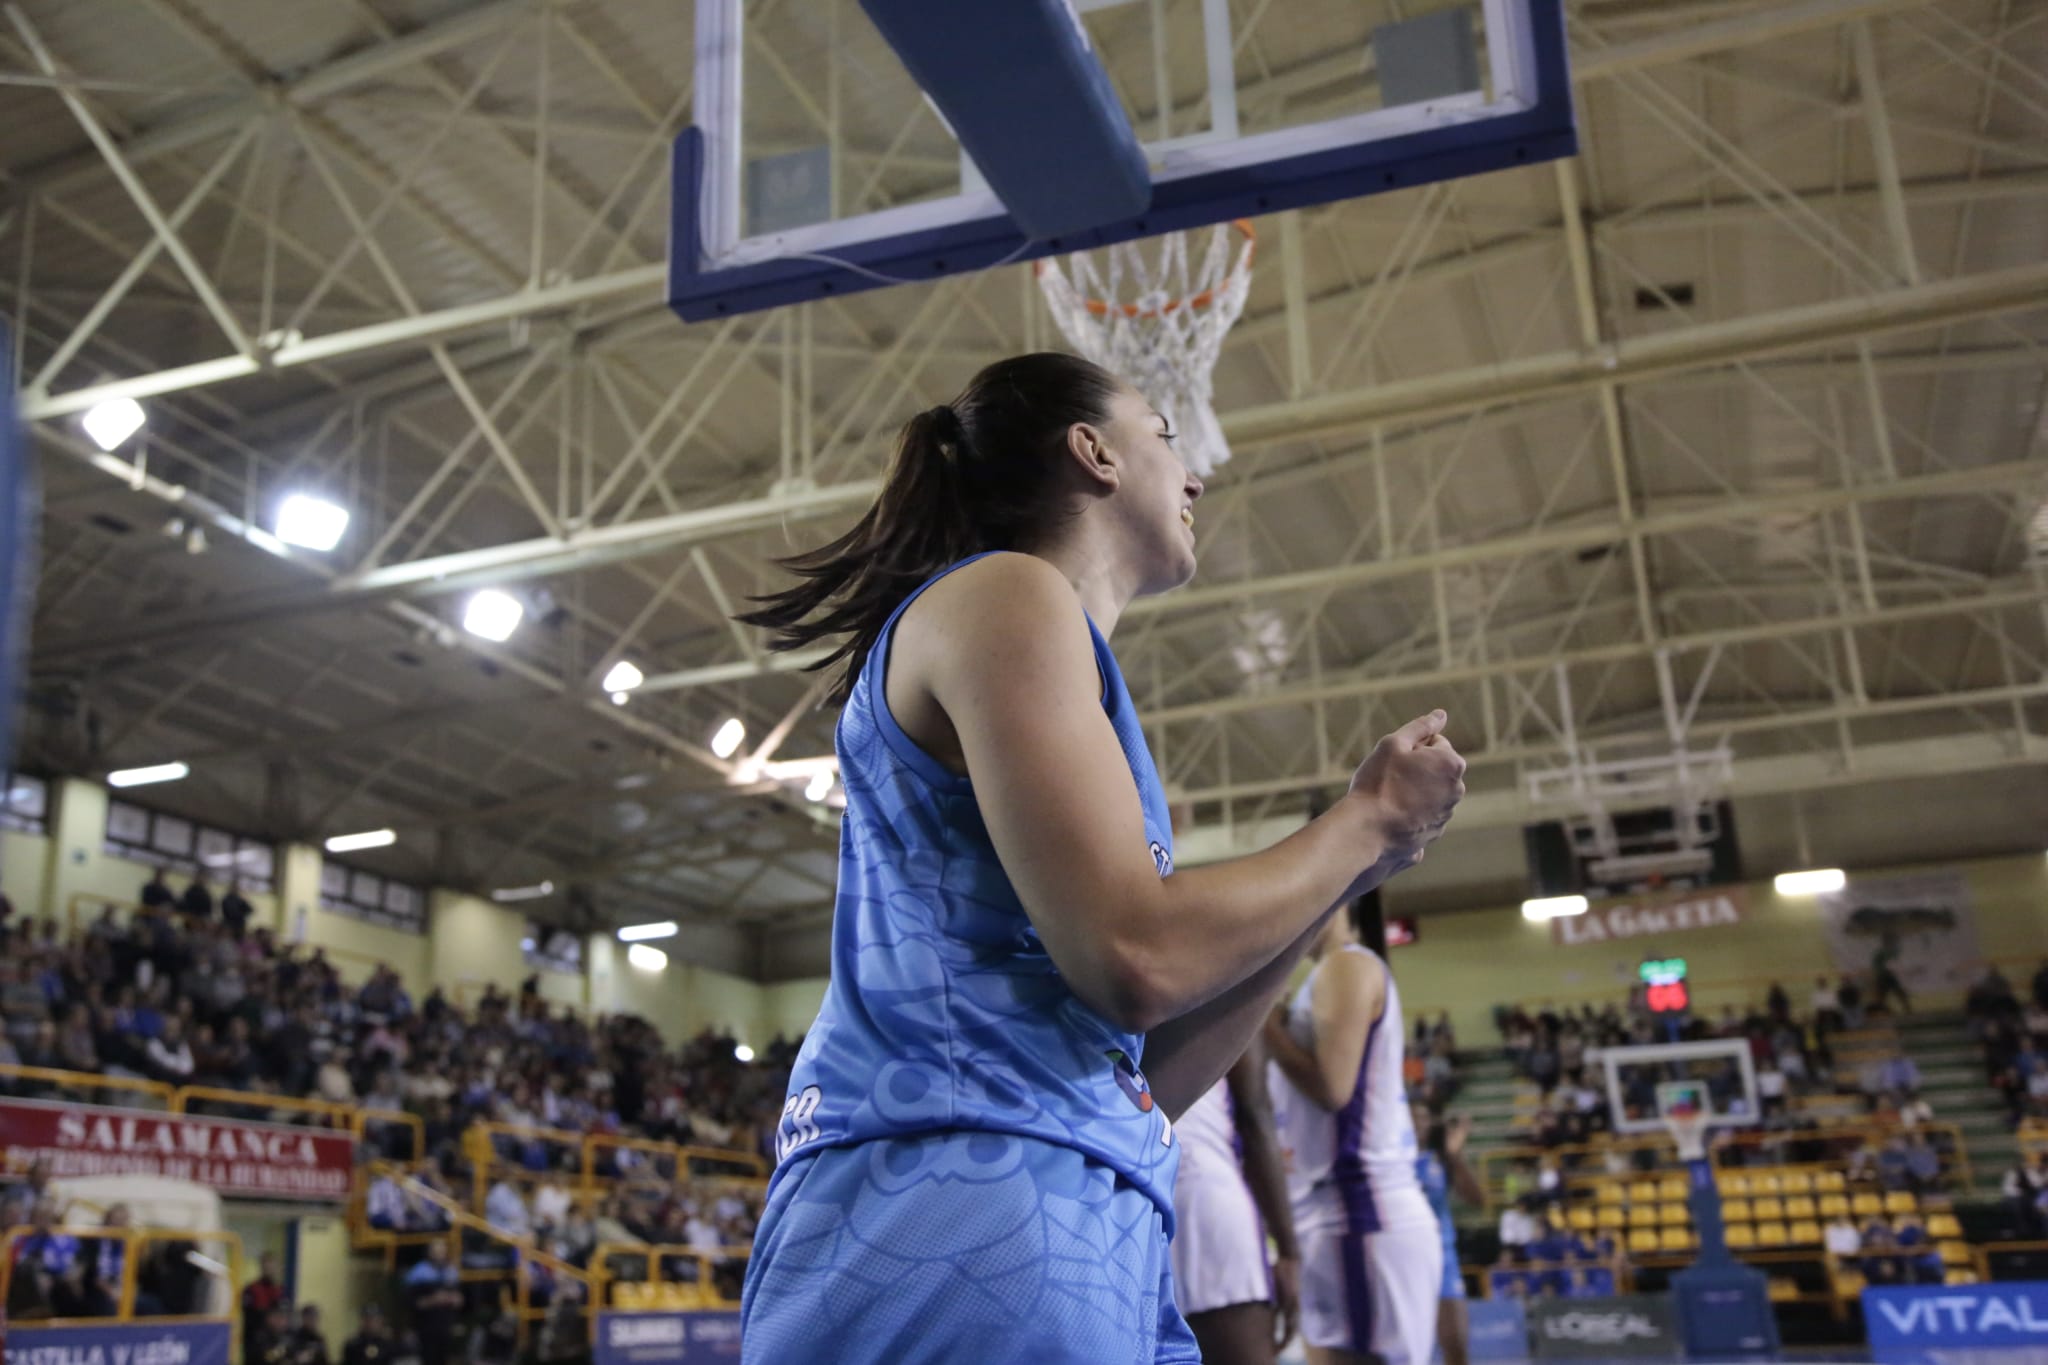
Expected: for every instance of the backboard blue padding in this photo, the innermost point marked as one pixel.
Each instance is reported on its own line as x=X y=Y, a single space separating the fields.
x=1029 y=102
x=1543 y=132
x=17 y=544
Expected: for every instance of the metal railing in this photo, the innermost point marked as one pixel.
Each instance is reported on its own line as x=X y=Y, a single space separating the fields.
x=226 y=1271
x=700 y=1290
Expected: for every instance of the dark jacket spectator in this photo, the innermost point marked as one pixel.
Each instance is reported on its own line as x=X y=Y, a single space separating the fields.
x=197 y=900
x=235 y=910
x=157 y=894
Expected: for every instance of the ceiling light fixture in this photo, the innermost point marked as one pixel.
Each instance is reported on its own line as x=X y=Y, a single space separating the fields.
x=311 y=523
x=492 y=615
x=142 y=777
x=355 y=843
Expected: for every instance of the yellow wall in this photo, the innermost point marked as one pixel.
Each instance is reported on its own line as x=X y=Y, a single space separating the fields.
x=682 y=999
x=473 y=943
x=789 y=1007
x=75 y=861
x=22 y=866
x=328 y=1275
x=1468 y=962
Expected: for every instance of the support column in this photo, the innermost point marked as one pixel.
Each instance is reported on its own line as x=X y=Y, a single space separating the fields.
x=78 y=831
x=298 y=891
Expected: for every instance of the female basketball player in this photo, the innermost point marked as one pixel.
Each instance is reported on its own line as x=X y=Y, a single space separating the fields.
x=1231 y=1188
x=1371 y=1248
x=971 y=1164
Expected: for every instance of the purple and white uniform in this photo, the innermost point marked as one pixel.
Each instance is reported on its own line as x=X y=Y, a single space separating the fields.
x=1219 y=1242
x=1371 y=1251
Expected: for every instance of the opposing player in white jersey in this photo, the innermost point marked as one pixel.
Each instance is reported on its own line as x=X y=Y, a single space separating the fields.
x=1230 y=1189
x=1371 y=1249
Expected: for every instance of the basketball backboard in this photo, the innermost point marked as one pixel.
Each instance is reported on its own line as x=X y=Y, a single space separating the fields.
x=1647 y=1083
x=818 y=166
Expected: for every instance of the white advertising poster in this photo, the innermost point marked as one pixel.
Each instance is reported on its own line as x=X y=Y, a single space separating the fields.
x=1921 y=923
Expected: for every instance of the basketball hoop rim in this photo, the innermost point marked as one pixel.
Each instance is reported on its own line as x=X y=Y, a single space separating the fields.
x=1103 y=307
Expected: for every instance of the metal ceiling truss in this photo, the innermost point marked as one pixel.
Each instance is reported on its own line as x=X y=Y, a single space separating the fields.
x=541 y=405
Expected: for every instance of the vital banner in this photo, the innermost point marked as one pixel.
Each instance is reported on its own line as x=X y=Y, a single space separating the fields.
x=708 y=1337
x=253 y=1160
x=1636 y=1326
x=157 y=1343
x=2013 y=1314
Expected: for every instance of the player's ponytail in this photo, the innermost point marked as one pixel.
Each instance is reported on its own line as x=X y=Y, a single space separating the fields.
x=979 y=473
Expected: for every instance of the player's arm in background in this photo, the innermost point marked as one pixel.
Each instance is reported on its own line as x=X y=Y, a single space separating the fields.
x=1349 y=995
x=1002 y=650
x=1265 y=1174
x=1464 y=1180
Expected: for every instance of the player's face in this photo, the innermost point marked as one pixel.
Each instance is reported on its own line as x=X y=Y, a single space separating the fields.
x=1157 y=489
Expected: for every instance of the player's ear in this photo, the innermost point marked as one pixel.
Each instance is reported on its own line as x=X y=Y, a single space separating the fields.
x=1089 y=451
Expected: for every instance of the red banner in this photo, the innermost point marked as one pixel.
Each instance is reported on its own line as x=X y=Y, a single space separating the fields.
x=253 y=1160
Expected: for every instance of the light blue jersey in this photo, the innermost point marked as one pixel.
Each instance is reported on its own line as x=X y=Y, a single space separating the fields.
x=1436 y=1187
x=968 y=1154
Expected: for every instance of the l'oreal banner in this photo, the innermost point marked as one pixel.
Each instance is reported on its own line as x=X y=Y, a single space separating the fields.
x=157 y=1343
x=258 y=1160
x=2014 y=1313
x=1636 y=1326
x=695 y=1338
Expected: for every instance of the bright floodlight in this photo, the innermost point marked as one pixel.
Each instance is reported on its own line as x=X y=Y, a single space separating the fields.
x=726 y=742
x=639 y=933
x=493 y=615
x=1553 y=907
x=524 y=893
x=624 y=677
x=113 y=421
x=645 y=958
x=819 y=787
x=742 y=1052
x=310 y=522
x=1815 y=882
x=355 y=843
x=142 y=777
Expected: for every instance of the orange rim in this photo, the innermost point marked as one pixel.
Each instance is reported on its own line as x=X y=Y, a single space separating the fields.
x=1101 y=307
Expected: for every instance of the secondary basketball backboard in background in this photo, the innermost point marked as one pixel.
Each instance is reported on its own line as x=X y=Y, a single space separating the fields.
x=818 y=166
x=1647 y=1082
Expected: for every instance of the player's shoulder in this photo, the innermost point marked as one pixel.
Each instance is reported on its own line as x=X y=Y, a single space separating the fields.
x=1354 y=965
x=1001 y=604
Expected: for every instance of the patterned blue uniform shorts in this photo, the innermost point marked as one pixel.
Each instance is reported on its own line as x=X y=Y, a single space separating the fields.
x=959 y=1247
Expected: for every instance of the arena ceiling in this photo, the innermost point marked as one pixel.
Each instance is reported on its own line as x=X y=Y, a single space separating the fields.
x=1726 y=438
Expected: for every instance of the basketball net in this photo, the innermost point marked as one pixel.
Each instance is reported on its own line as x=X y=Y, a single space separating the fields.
x=1689 y=1131
x=1155 y=311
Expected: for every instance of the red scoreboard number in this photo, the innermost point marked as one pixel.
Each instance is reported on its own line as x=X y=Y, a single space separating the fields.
x=1664 y=983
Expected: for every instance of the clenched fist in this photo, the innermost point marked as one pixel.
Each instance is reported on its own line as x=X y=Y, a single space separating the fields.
x=1414 y=779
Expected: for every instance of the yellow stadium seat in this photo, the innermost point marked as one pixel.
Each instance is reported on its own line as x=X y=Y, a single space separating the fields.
x=1833 y=1205
x=1800 y=1206
x=1769 y=1208
x=1741 y=1235
x=1732 y=1182
x=1782 y=1289
x=1675 y=1239
x=1736 y=1210
x=1642 y=1192
x=1768 y=1183
x=1607 y=1192
x=1610 y=1216
x=1956 y=1253
x=1643 y=1240
x=1848 y=1283
x=1581 y=1219
x=1642 y=1215
x=629 y=1294
x=1943 y=1225
x=1672 y=1187
x=1901 y=1201
x=1960 y=1277
x=1772 y=1235
x=1830 y=1182
x=1866 y=1205
x=1797 y=1182
x=1673 y=1215
x=1804 y=1233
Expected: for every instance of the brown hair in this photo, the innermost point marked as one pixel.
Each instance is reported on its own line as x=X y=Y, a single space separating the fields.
x=976 y=474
